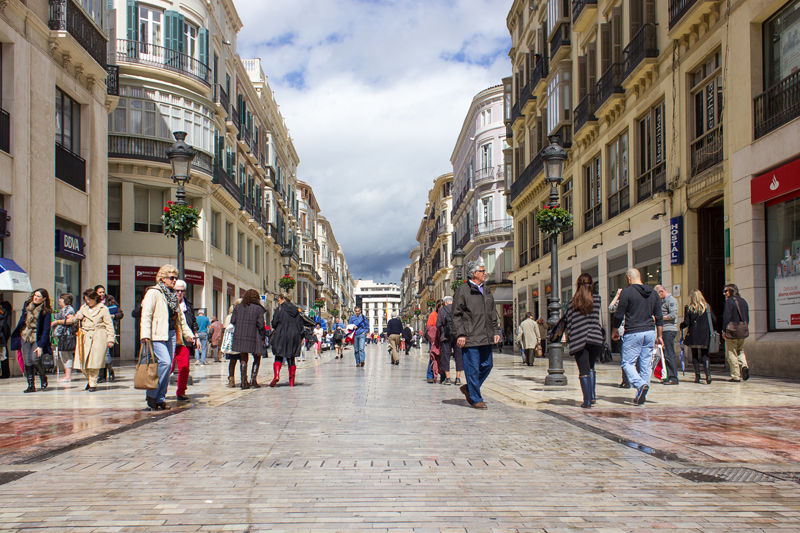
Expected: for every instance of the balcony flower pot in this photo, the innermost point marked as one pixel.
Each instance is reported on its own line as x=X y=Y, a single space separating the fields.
x=177 y=218
x=553 y=220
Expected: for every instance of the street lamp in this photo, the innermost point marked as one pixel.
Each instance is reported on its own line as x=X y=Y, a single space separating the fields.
x=180 y=156
x=554 y=157
x=458 y=262
x=286 y=258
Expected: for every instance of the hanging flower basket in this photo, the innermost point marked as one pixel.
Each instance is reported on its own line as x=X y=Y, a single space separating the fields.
x=287 y=283
x=417 y=311
x=553 y=220
x=431 y=303
x=319 y=302
x=178 y=218
x=456 y=284
x=334 y=312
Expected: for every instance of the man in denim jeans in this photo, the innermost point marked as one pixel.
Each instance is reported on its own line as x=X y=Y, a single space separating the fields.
x=640 y=306
x=362 y=328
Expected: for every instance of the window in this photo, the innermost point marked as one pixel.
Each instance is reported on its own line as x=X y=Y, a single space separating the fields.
x=240 y=248
x=114 y=206
x=566 y=203
x=149 y=28
x=486 y=160
x=250 y=254
x=229 y=238
x=487 y=210
x=522 y=241
x=68 y=122
x=190 y=33
x=783 y=263
x=148 y=205
x=486 y=117
x=559 y=99
x=781 y=45
x=488 y=260
x=257 y=256
x=618 y=190
x=706 y=83
x=216 y=219
x=651 y=176
x=593 y=215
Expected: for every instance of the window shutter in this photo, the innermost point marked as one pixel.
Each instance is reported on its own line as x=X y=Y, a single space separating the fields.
x=539 y=133
x=133 y=20
x=202 y=45
x=180 y=35
x=591 y=66
x=649 y=11
x=541 y=44
x=582 y=77
x=169 y=29
x=616 y=22
x=605 y=48
x=636 y=16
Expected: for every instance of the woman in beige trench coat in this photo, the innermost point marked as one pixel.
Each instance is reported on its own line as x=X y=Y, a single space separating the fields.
x=97 y=327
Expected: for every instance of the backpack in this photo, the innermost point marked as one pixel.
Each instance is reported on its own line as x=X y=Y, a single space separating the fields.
x=338 y=334
x=446 y=331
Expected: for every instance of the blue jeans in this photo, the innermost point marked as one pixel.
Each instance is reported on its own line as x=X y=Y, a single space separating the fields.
x=477 y=366
x=358 y=348
x=638 y=348
x=201 y=355
x=430 y=368
x=164 y=350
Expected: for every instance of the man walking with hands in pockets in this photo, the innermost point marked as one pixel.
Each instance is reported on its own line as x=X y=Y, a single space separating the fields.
x=476 y=330
x=640 y=306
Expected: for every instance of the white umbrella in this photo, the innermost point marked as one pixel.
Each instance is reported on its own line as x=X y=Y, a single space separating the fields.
x=13 y=278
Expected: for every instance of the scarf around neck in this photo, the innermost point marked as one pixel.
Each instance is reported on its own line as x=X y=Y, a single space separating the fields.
x=31 y=321
x=169 y=294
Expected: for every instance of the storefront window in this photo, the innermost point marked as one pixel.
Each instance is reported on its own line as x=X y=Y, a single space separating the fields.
x=782 y=44
x=68 y=279
x=783 y=265
x=651 y=274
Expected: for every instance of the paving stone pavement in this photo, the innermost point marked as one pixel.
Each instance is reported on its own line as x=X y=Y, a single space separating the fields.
x=379 y=449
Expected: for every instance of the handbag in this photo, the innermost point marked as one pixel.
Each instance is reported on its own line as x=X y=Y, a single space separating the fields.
x=146 y=377
x=713 y=336
x=66 y=343
x=737 y=330
x=227 y=340
x=557 y=332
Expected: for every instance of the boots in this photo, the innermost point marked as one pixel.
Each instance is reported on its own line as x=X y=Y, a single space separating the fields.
x=593 y=376
x=231 y=373
x=31 y=377
x=42 y=374
x=111 y=375
x=276 y=368
x=101 y=377
x=254 y=372
x=707 y=368
x=696 y=365
x=586 y=389
x=292 y=372
x=243 y=367
x=231 y=383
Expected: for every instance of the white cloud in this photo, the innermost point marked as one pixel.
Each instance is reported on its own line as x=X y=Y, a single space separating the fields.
x=374 y=94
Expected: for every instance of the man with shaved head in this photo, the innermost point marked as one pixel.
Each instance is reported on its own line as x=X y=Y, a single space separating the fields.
x=640 y=306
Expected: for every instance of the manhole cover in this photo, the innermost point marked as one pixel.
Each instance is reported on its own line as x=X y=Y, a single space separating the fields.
x=724 y=475
x=8 y=477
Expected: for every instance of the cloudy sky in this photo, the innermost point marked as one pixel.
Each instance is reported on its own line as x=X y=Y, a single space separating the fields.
x=374 y=93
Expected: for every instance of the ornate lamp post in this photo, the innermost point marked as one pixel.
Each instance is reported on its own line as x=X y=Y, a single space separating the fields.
x=180 y=156
x=554 y=157
x=458 y=262
x=286 y=258
x=317 y=303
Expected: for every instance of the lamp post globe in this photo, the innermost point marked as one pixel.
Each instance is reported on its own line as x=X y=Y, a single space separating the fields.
x=554 y=157
x=286 y=259
x=458 y=261
x=180 y=157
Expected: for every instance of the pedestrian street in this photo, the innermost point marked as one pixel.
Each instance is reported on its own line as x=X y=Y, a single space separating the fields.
x=379 y=449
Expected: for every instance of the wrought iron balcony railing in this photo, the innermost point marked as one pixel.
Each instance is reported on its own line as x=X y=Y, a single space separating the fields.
x=146 y=149
x=561 y=38
x=642 y=45
x=221 y=97
x=593 y=217
x=777 y=105
x=222 y=178
x=707 y=150
x=525 y=95
x=584 y=112
x=136 y=52
x=610 y=83
x=70 y=168
x=578 y=6
x=526 y=178
x=66 y=15
x=540 y=72
x=677 y=9
x=233 y=117
x=112 y=80
x=5 y=131
x=484 y=174
x=515 y=111
x=619 y=201
x=494 y=227
x=652 y=182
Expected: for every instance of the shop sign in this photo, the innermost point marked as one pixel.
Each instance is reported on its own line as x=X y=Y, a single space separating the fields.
x=231 y=288
x=548 y=288
x=194 y=277
x=676 y=241
x=508 y=310
x=217 y=284
x=147 y=274
x=113 y=273
x=69 y=245
x=787 y=302
x=775 y=185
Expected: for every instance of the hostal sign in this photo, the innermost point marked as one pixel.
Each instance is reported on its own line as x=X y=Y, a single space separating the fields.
x=676 y=241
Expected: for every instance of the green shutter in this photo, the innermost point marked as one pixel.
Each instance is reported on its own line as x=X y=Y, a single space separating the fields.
x=133 y=20
x=180 y=35
x=202 y=44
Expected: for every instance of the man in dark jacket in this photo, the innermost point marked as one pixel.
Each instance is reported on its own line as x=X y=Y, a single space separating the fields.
x=736 y=310
x=640 y=306
x=476 y=330
x=408 y=336
x=394 y=329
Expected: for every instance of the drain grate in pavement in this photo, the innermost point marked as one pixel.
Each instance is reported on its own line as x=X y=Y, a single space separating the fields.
x=724 y=475
x=8 y=477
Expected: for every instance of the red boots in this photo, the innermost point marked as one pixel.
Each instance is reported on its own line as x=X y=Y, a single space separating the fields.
x=276 y=367
x=292 y=372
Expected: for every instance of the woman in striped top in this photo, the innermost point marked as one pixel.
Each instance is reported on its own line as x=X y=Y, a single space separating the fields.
x=585 y=335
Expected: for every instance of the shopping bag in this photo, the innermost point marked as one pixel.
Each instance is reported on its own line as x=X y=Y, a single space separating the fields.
x=146 y=377
x=659 y=367
x=227 y=340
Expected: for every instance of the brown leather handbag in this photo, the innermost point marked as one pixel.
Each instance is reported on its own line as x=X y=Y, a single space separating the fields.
x=737 y=330
x=146 y=377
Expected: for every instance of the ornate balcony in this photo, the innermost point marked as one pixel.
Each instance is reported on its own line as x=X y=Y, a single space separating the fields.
x=66 y=15
x=484 y=174
x=584 y=112
x=609 y=85
x=221 y=103
x=5 y=131
x=146 y=149
x=140 y=53
x=112 y=80
x=651 y=182
x=232 y=122
x=561 y=44
x=70 y=168
x=222 y=178
x=707 y=150
x=582 y=14
x=777 y=106
x=525 y=99
x=677 y=9
x=526 y=178
x=540 y=72
x=516 y=112
x=494 y=227
x=640 y=52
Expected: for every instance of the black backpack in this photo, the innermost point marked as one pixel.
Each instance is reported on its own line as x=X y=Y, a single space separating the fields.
x=338 y=334
x=446 y=330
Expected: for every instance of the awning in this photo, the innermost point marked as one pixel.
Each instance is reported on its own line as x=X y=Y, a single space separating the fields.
x=13 y=278
x=503 y=295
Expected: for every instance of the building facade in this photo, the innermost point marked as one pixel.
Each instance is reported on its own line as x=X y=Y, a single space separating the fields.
x=435 y=241
x=54 y=104
x=377 y=301
x=481 y=226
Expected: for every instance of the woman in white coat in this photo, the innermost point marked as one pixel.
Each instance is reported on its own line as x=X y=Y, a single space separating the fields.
x=97 y=328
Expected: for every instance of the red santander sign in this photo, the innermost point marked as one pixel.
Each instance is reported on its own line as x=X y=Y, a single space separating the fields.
x=776 y=186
